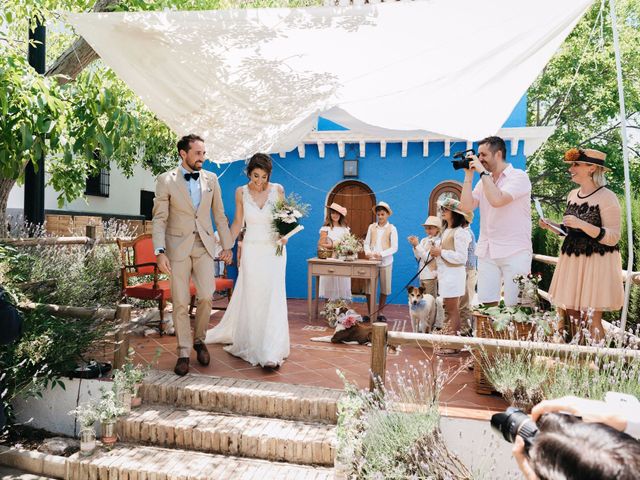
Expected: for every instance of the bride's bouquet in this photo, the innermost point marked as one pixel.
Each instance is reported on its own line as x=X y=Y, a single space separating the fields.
x=285 y=217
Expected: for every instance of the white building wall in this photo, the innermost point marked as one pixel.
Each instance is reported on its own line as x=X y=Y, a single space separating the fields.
x=124 y=195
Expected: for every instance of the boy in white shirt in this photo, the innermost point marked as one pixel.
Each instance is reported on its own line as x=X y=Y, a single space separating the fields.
x=421 y=250
x=380 y=244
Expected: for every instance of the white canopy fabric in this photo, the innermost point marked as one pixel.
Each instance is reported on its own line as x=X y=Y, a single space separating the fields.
x=256 y=80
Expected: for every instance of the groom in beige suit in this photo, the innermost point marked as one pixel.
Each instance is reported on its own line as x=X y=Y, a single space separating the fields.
x=185 y=244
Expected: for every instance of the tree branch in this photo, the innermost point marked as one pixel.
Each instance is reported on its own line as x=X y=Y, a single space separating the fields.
x=75 y=58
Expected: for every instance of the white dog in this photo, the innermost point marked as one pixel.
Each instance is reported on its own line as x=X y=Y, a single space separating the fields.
x=427 y=313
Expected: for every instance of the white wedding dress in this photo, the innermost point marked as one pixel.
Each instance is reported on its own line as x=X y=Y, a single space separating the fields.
x=256 y=324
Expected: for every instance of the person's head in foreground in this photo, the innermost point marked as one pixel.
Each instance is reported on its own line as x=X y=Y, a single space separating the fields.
x=566 y=448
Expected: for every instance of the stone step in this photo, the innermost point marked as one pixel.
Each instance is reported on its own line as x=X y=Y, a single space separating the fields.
x=242 y=397
x=129 y=462
x=244 y=436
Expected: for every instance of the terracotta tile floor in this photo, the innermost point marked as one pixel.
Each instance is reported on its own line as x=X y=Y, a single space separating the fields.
x=313 y=363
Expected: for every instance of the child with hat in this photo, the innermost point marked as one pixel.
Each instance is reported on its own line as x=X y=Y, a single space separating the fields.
x=334 y=228
x=451 y=260
x=381 y=243
x=421 y=250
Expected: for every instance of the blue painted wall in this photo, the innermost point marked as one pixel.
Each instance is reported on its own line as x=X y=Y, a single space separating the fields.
x=404 y=183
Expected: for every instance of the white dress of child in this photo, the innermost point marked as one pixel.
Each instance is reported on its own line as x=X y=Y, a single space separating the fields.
x=452 y=280
x=331 y=287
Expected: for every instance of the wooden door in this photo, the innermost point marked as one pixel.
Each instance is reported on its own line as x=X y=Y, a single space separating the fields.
x=359 y=200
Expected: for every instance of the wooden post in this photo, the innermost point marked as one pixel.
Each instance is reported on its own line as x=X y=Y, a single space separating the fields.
x=123 y=316
x=92 y=234
x=378 y=354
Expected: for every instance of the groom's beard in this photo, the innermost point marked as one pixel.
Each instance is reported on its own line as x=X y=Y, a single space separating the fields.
x=196 y=167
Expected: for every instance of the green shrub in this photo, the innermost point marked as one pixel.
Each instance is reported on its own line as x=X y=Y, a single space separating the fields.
x=49 y=348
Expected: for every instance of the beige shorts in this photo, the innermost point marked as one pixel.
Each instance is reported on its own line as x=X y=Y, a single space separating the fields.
x=384 y=274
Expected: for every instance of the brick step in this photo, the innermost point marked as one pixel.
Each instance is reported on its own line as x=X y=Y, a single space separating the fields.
x=129 y=462
x=242 y=397
x=244 y=436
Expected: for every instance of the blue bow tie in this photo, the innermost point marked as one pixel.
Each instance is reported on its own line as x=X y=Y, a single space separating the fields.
x=191 y=176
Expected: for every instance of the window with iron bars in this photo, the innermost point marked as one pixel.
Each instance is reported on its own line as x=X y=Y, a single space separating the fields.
x=98 y=185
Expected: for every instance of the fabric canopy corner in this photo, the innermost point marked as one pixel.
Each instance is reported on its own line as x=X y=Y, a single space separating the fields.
x=257 y=79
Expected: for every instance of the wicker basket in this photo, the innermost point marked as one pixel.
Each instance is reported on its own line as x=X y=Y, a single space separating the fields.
x=484 y=329
x=325 y=253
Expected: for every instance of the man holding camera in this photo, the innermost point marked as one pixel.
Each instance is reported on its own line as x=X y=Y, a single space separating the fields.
x=503 y=194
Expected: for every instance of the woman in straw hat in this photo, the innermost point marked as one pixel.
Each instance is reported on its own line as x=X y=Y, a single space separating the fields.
x=587 y=280
x=451 y=259
x=334 y=228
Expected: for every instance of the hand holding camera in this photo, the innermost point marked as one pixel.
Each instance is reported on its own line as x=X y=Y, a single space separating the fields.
x=467 y=160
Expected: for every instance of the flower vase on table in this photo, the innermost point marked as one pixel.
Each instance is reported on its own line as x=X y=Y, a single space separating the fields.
x=348 y=247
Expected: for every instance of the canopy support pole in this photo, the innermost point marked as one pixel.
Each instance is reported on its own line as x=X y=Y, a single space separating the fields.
x=625 y=157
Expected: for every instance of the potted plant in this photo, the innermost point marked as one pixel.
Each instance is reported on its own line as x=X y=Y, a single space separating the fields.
x=331 y=308
x=87 y=415
x=348 y=247
x=109 y=409
x=127 y=381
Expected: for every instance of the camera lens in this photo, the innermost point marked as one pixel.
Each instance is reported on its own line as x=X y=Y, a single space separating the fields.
x=512 y=422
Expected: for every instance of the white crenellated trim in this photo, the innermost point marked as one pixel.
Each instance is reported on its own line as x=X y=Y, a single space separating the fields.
x=533 y=137
x=282 y=154
x=341 y=149
x=405 y=147
x=363 y=148
x=514 y=147
x=301 y=150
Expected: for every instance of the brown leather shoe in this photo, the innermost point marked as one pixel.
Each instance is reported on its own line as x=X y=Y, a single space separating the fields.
x=203 y=354
x=182 y=366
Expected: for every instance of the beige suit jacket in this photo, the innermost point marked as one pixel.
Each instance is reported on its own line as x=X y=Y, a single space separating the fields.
x=176 y=221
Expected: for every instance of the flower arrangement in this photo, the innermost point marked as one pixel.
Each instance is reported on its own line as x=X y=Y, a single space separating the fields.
x=129 y=376
x=86 y=414
x=348 y=319
x=285 y=217
x=109 y=407
x=348 y=246
x=528 y=289
x=332 y=308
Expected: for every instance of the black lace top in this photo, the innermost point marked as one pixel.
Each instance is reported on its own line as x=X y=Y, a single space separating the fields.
x=579 y=243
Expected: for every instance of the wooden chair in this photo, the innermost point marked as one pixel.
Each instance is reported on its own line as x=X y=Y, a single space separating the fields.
x=139 y=260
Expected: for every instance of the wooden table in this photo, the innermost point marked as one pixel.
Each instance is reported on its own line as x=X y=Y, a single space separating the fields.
x=364 y=269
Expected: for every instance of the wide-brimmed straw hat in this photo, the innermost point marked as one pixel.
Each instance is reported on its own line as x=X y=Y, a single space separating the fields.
x=384 y=205
x=586 y=155
x=337 y=208
x=433 y=221
x=454 y=205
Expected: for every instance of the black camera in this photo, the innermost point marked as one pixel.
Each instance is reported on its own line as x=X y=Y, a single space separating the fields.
x=463 y=161
x=514 y=422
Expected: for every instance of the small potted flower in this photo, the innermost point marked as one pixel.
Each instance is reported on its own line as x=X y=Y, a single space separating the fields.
x=348 y=247
x=87 y=415
x=109 y=409
x=127 y=381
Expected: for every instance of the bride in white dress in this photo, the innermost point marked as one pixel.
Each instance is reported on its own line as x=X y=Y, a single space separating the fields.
x=255 y=324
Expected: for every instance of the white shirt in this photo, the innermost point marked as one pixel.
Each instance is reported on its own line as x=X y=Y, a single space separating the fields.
x=506 y=230
x=421 y=252
x=387 y=255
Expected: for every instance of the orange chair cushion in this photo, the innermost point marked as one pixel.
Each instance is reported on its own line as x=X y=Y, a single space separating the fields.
x=223 y=284
x=146 y=291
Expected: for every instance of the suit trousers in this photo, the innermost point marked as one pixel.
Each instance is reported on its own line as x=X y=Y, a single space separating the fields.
x=199 y=266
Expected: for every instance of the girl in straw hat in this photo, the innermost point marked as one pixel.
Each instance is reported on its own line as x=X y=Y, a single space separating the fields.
x=451 y=258
x=334 y=228
x=587 y=280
